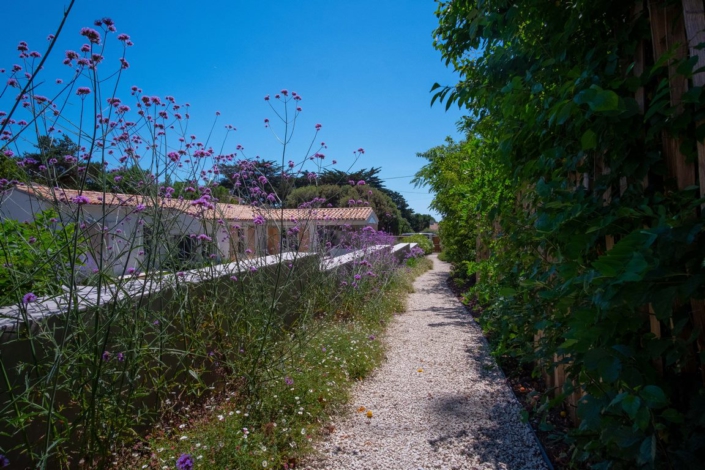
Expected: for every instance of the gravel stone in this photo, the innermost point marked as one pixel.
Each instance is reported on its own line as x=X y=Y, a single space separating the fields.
x=457 y=413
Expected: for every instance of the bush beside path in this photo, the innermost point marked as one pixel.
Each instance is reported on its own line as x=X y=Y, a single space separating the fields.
x=438 y=402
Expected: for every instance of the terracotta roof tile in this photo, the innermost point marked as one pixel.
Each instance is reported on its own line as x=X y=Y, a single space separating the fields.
x=221 y=210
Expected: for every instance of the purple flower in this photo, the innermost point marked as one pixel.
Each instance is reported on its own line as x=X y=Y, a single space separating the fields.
x=185 y=462
x=233 y=278
x=83 y=91
x=259 y=220
x=204 y=237
x=32 y=240
x=91 y=34
x=4 y=461
x=357 y=277
x=361 y=183
x=106 y=356
x=289 y=381
x=81 y=199
x=371 y=337
x=121 y=356
x=28 y=298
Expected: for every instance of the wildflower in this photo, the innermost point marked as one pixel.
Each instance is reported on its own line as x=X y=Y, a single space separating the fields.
x=361 y=183
x=123 y=37
x=205 y=237
x=233 y=278
x=120 y=357
x=4 y=461
x=318 y=127
x=81 y=200
x=32 y=240
x=28 y=298
x=371 y=337
x=185 y=462
x=259 y=220
x=264 y=463
x=91 y=34
x=289 y=381
x=106 y=356
x=357 y=277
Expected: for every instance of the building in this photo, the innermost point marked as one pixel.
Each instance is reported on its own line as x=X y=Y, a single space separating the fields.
x=125 y=233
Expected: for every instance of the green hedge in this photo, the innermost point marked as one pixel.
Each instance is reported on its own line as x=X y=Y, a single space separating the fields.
x=423 y=242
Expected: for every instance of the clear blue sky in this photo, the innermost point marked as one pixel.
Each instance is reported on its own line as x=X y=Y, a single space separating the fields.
x=364 y=69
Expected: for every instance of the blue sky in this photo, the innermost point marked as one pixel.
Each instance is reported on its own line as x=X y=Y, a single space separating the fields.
x=363 y=68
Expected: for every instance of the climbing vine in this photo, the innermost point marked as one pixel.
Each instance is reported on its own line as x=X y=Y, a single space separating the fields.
x=576 y=198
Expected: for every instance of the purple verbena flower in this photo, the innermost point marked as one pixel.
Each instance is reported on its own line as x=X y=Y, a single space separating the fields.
x=91 y=34
x=289 y=381
x=28 y=298
x=184 y=462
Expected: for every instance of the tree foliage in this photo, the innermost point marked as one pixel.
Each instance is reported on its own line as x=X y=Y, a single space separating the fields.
x=566 y=199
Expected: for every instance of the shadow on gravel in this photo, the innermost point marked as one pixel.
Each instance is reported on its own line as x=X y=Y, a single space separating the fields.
x=491 y=433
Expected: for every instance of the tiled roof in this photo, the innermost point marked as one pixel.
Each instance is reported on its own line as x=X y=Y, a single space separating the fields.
x=222 y=210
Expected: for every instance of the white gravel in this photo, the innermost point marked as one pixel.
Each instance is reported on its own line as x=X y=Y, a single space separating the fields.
x=458 y=413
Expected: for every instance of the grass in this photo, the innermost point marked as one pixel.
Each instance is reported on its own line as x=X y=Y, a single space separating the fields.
x=275 y=429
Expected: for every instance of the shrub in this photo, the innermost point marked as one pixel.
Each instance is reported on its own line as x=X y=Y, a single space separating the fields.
x=35 y=256
x=423 y=242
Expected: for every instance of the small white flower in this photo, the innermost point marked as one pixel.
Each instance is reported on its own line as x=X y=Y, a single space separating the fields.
x=303 y=431
x=264 y=463
x=221 y=417
x=199 y=457
x=230 y=414
x=182 y=438
x=182 y=426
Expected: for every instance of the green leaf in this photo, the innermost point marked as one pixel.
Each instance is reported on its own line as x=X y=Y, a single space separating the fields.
x=635 y=269
x=654 y=396
x=631 y=405
x=647 y=450
x=507 y=292
x=609 y=369
x=603 y=100
x=589 y=140
x=564 y=113
x=672 y=415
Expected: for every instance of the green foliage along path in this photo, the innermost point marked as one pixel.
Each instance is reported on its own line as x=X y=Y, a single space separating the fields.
x=576 y=196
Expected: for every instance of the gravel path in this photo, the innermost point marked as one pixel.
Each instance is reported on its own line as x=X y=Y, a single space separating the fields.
x=438 y=402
